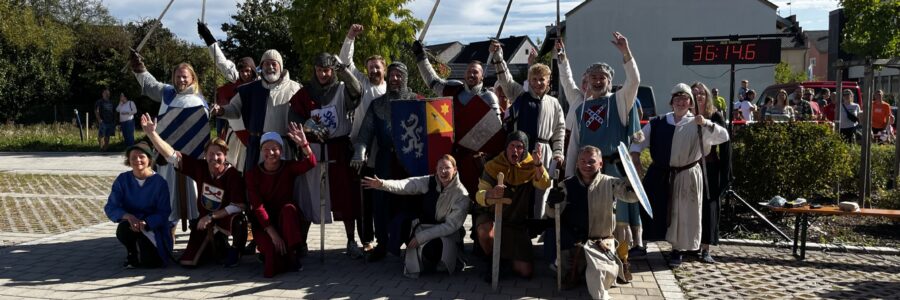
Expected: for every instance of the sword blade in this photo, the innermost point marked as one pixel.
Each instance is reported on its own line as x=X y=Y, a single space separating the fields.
x=500 y=31
x=203 y=12
x=428 y=23
x=150 y=32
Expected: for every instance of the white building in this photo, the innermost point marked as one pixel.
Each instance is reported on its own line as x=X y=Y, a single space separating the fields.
x=650 y=26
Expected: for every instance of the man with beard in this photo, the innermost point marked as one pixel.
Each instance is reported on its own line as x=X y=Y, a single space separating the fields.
x=184 y=92
x=373 y=86
x=376 y=127
x=535 y=113
x=476 y=117
x=242 y=73
x=221 y=202
x=524 y=174
x=263 y=104
x=324 y=106
x=604 y=120
x=587 y=222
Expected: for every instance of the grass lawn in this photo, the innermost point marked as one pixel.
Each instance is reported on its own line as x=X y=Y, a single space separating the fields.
x=58 y=137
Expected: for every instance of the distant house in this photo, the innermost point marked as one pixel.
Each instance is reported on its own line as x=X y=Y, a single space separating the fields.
x=817 y=53
x=445 y=52
x=515 y=52
x=650 y=27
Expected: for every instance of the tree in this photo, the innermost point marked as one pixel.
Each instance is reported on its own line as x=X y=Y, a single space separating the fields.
x=70 y=12
x=258 y=26
x=321 y=26
x=873 y=28
x=33 y=66
x=784 y=74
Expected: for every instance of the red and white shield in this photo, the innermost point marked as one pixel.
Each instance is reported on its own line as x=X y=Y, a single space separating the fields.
x=593 y=117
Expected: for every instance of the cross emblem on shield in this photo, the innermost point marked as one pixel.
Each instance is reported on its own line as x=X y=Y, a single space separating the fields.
x=593 y=116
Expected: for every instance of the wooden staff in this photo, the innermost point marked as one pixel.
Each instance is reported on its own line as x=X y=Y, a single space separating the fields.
x=498 y=226
x=558 y=224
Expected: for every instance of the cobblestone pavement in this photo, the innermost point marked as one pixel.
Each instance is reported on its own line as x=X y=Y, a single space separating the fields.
x=771 y=272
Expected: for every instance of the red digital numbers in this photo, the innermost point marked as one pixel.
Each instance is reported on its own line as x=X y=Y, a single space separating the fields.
x=698 y=52
x=710 y=52
x=750 y=52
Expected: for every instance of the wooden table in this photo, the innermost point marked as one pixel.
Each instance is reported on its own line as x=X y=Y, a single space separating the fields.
x=801 y=222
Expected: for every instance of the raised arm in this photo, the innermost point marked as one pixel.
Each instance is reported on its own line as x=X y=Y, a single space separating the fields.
x=166 y=150
x=511 y=88
x=628 y=93
x=431 y=78
x=224 y=65
x=346 y=54
x=574 y=95
x=150 y=87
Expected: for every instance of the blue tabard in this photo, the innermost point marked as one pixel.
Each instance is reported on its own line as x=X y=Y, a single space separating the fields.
x=254 y=97
x=661 y=135
x=600 y=125
x=523 y=115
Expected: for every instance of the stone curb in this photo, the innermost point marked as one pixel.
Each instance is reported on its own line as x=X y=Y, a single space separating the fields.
x=816 y=246
x=63 y=235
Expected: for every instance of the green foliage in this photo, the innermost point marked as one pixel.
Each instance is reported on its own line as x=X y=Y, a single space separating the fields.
x=788 y=159
x=71 y=12
x=873 y=28
x=784 y=74
x=882 y=157
x=33 y=63
x=321 y=26
x=261 y=25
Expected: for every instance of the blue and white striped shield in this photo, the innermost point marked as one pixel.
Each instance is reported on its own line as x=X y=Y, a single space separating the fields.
x=185 y=128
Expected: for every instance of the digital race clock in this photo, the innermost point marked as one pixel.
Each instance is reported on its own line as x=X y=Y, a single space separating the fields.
x=732 y=52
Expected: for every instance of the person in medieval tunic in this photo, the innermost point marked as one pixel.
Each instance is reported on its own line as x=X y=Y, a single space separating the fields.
x=236 y=74
x=270 y=187
x=373 y=86
x=221 y=201
x=139 y=202
x=587 y=223
x=390 y=211
x=477 y=120
x=674 y=181
x=535 y=113
x=435 y=240
x=184 y=92
x=604 y=120
x=524 y=174
x=324 y=106
x=262 y=105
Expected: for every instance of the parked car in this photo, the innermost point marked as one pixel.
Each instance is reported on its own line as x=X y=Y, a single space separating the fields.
x=646 y=97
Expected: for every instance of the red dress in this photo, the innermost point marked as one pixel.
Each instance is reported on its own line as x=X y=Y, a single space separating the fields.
x=272 y=201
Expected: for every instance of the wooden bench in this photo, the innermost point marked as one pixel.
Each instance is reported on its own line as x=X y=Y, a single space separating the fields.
x=801 y=222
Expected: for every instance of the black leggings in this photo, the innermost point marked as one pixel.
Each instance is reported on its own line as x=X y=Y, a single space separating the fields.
x=138 y=246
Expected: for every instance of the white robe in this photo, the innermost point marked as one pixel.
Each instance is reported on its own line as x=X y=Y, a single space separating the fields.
x=687 y=192
x=369 y=92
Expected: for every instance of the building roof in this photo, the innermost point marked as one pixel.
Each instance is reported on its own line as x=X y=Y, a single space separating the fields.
x=766 y=2
x=437 y=49
x=819 y=39
x=479 y=50
x=550 y=35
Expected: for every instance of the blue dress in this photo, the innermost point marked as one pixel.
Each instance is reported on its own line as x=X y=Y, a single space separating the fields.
x=149 y=203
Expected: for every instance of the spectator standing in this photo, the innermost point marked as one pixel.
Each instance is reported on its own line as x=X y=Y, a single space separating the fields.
x=882 y=117
x=126 y=110
x=719 y=100
x=781 y=110
x=106 y=119
x=745 y=87
x=746 y=106
x=849 y=114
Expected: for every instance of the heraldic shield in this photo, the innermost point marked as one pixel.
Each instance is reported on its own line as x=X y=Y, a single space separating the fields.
x=185 y=128
x=422 y=131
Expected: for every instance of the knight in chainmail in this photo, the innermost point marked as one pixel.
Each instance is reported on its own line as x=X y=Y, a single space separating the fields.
x=323 y=106
x=391 y=211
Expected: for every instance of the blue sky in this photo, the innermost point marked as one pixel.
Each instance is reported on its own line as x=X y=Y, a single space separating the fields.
x=455 y=19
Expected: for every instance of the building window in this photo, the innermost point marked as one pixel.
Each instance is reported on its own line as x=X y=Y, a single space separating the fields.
x=812 y=61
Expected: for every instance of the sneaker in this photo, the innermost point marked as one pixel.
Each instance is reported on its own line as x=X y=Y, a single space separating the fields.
x=232 y=257
x=705 y=257
x=250 y=249
x=675 y=259
x=353 y=250
x=637 y=252
x=377 y=253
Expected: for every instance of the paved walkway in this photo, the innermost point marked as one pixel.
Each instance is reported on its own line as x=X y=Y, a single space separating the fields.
x=47 y=251
x=83 y=163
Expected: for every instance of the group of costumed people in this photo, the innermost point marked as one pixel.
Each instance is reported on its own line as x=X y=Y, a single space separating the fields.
x=289 y=155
